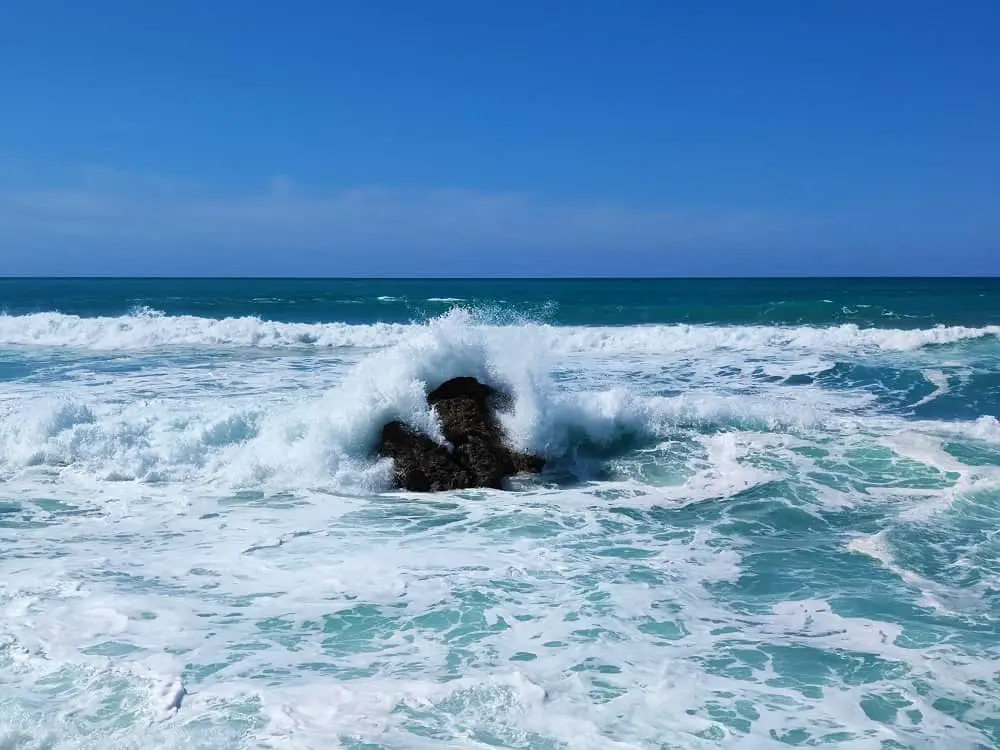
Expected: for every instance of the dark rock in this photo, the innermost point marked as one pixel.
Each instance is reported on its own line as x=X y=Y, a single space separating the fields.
x=421 y=465
x=462 y=387
x=480 y=455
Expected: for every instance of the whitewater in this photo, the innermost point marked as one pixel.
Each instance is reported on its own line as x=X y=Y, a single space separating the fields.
x=748 y=535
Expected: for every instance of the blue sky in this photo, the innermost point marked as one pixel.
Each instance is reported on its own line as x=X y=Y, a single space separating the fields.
x=481 y=138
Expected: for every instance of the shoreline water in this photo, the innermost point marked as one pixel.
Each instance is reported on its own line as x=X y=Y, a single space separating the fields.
x=757 y=531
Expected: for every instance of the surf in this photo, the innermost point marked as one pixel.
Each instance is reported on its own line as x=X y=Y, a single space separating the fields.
x=327 y=436
x=148 y=329
x=727 y=506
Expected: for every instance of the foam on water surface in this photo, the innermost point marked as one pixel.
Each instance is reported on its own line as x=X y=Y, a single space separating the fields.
x=147 y=329
x=733 y=546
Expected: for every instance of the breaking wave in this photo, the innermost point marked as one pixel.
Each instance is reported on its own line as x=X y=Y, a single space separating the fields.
x=327 y=437
x=149 y=329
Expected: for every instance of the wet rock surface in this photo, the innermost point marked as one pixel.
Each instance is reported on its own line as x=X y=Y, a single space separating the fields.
x=480 y=456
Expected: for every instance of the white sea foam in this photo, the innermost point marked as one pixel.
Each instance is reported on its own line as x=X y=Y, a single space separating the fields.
x=939 y=380
x=805 y=365
x=288 y=437
x=193 y=557
x=876 y=547
x=151 y=330
x=932 y=594
x=985 y=428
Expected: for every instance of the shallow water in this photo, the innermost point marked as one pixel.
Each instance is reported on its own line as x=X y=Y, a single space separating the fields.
x=755 y=530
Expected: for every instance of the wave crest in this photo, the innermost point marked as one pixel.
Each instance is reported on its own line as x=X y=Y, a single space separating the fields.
x=149 y=329
x=327 y=438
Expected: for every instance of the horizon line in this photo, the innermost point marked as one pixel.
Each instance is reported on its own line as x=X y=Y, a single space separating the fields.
x=495 y=277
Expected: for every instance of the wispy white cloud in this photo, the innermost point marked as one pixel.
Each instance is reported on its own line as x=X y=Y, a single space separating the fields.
x=108 y=208
x=106 y=221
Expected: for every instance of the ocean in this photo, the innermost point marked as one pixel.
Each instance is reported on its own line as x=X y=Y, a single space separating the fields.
x=769 y=516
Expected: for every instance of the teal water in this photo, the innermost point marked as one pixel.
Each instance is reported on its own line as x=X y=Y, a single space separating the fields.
x=892 y=303
x=768 y=519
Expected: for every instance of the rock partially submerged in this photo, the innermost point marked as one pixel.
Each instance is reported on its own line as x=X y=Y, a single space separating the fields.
x=480 y=454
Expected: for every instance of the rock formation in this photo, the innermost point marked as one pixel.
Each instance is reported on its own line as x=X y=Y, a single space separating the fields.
x=480 y=454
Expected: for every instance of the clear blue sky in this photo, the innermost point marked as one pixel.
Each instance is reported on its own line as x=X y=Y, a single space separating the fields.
x=442 y=137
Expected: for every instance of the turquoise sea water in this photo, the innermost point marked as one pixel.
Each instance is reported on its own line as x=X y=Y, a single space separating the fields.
x=769 y=517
